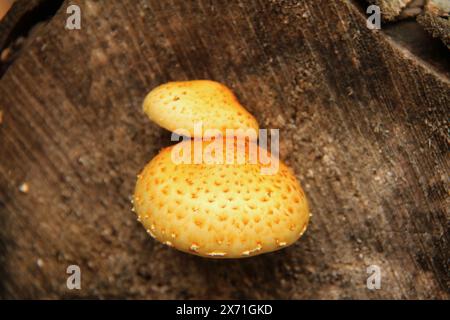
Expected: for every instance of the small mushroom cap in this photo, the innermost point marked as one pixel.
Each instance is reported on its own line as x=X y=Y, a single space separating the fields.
x=182 y=104
x=220 y=210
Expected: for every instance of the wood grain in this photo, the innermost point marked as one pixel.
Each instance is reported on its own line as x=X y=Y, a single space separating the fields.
x=364 y=124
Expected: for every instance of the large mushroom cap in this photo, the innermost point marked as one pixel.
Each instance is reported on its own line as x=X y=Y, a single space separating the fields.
x=220 y=210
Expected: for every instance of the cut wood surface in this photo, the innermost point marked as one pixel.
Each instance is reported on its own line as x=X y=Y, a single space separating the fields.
x=364 y=125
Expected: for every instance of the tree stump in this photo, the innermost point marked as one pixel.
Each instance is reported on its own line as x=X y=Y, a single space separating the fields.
x=364 y=125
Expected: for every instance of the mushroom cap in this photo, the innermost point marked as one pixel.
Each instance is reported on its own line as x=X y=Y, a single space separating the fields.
x=182 y=104
x=220 y=210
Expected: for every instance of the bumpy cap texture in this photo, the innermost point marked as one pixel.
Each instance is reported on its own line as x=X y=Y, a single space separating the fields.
x=220 y=210
x=182 y=104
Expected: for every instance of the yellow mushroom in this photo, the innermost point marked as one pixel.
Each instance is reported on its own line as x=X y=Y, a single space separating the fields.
x=220 y=210
x=215 y=208
x=183 y=104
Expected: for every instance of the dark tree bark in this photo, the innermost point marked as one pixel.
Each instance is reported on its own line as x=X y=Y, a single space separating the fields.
x=364 y=124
